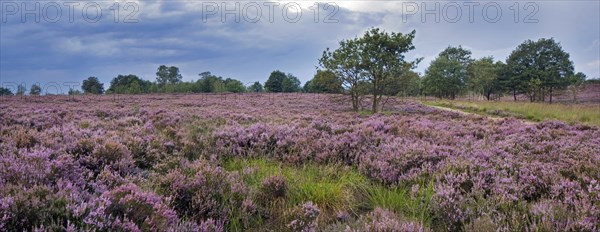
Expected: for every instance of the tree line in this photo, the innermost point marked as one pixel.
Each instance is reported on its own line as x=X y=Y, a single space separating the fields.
x=169 y=80
x=375 y=65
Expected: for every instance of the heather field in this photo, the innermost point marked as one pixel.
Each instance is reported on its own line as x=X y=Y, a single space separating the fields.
x=287 y=162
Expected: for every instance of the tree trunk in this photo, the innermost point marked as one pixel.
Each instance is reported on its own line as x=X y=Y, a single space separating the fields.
x=550 y=94
x=515 y=94
x=375 y=102
x=375 y=94
x=354 y=102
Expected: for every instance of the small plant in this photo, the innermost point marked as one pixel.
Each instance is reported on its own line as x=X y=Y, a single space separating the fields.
x=305 y=218
x=274 y=187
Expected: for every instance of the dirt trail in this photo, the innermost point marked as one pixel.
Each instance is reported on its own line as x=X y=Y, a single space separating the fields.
x=494 y=118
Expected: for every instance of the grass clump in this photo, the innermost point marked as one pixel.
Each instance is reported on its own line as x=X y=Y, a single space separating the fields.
x=335 y=189
x=412 y=203
x=332 y=188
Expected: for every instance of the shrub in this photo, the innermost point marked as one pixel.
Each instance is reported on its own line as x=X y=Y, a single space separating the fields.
x=305 y=217
x=129 y=207
x=273 y=187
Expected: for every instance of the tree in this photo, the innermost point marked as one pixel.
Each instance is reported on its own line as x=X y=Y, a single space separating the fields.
x=256 y=87
x=168 y=75
x=576 y=84
x=382 y=56
x=275 y=82
x=234 y=86
x=344 y=62
x=290 y=84
x=538 y=69
x=35 y=90
x=129 y=84
x=92 y=86
x=209 y=83
x=446 y=75
x=74 y=91
x=324 y=81
x=482 y=76
x=406 y=84
x=5 y=92
x=372 y=58
x=20 y=90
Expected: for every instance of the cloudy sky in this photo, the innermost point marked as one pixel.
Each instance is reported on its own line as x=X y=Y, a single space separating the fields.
x=66 y=41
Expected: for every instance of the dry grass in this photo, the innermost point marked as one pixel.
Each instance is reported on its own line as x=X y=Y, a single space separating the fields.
x=570 y=113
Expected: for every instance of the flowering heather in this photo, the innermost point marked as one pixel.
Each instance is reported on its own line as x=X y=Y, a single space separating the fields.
x=153 y=162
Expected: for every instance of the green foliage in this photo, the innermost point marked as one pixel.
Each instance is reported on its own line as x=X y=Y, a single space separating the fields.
x=413 y=203
x=446 y=75
x=576 y=84
x=324 y=81
x=537 y=69
x=92 y=86
x=35 y=90
x=482 y=77
x=406 y=84
x=279 y=82
x=333 y=188
x=5 y=92
x=74 y=92
x=256 y=87
x=234 y=86
x=290 y=84
x=168 y=75
x=382 y=56
x=20 y=90
x=275 y=82
x=129 y=84
x=372 y=58
x=210 y=83
x=344 y=63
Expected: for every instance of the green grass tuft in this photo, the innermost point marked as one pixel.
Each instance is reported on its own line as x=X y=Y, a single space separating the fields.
x=334 y=188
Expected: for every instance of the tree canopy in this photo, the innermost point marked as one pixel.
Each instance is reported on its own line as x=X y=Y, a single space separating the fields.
x=168 y=75
x=280 y=82
x=129 y=84
x=446 y=75
x=92 y=86
x=256 y=87
x=482 y=76
x=372 y=58
x=20 y=90
x=5 y=92
x=324 y=81
x=537 y=68
x=35 y=90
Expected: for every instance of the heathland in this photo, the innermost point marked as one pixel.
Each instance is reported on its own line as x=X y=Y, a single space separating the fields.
x=288 y=162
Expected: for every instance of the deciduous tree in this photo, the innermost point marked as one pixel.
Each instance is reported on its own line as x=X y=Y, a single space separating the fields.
x=92 y=86
x=446 y=75
x=482 y=77
x=35 y=90
x=538 y=64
